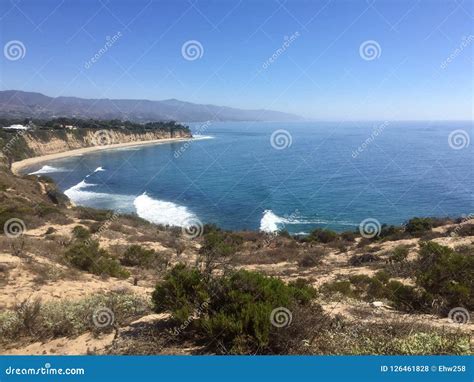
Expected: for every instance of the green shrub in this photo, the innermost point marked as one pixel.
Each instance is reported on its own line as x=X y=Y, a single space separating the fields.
x=94 y=214
x=182 y=290
x=368 y=288
x=407 y=297
x=446 y=274
x=80 y=233
x=340 y=287
x=418 y=226
x=238 y=307
x=390 y=232
x=399 y=254
x=218 y=247
x=322 y=235
x=403 y=297
x=89 y=257
x=136 y=255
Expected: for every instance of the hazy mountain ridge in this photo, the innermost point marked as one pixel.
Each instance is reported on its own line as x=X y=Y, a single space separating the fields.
x=20 y=104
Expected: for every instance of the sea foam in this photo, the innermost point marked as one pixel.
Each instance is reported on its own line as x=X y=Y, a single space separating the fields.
x=48 y=170
x=161 y=212
x=79 y=195
x=199 y=137
x=271 y=222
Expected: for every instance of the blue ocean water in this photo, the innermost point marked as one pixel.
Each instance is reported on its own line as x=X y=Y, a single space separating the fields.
x=296 y=176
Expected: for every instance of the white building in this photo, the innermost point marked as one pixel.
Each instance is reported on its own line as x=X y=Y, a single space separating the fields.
x=16 y=127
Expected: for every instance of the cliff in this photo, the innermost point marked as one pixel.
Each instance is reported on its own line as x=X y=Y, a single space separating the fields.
x=19 y=145
x=56 y=143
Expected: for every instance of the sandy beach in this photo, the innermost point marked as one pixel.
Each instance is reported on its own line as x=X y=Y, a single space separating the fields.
x=17 y=167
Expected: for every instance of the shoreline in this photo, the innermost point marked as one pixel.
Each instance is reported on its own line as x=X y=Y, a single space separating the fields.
x=18 y=166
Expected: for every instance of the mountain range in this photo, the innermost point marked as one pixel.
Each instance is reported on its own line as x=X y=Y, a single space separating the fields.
x=20 y=104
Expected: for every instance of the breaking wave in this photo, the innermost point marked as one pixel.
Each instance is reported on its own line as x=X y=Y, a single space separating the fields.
x=161 y=212
x=48 y=170
x=271 y=222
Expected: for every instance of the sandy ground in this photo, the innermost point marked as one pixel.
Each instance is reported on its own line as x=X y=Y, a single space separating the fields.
x=20 y=165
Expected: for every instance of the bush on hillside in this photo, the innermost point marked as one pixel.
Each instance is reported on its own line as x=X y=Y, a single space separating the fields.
x=380 y=287
x=136 y=255
x=419 y=226
x=90 y=258
x=217 y=248
x=447 y=274
x=398 y=254
x=234 y=310
x=80 y=233
x=45 y=320
x=322 y=235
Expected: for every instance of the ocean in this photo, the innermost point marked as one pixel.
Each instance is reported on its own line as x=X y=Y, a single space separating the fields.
x=294 y=176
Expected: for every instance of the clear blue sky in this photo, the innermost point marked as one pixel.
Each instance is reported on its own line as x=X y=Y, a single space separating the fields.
x=320 y=75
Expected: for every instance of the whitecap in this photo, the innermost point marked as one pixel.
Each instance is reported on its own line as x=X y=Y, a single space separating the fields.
x=48 y=170
x=270 y=221
x=80 y=196
x=162 y=212
x=98 y=169
x=199 y=137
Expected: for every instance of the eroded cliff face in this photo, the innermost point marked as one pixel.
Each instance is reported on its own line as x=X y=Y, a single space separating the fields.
x=52 y=142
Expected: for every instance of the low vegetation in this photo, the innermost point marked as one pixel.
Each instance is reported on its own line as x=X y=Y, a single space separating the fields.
x=443 y=279
x=38 y=321
x=91 y=258
x=238 y=311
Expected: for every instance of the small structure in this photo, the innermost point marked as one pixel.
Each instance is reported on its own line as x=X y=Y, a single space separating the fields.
x=69 y=127
x=16 y=127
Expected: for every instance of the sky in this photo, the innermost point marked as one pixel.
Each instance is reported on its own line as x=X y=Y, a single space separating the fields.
x=324 y=60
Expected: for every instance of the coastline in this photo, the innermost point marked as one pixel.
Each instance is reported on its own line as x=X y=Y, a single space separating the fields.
x=22 y=164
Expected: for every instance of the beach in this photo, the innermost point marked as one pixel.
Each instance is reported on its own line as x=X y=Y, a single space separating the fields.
x=17 y=167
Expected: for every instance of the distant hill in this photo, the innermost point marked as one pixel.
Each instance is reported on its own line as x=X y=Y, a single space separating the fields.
x=20 y=104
